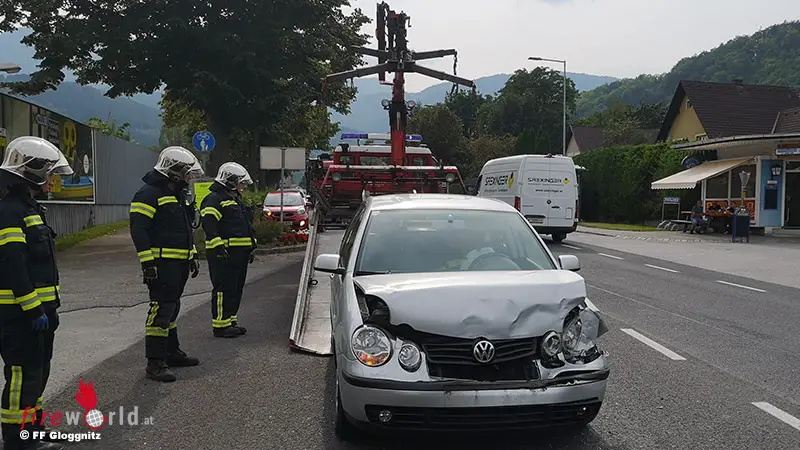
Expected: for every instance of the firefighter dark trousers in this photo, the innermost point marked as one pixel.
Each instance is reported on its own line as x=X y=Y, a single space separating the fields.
x=21 y=349
x=227 y=277
x=48 y=339
x=161 y=329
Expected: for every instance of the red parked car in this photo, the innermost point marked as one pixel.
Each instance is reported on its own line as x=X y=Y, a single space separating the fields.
x=295 y=208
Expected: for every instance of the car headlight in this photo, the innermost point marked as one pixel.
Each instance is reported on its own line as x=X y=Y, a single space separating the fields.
x=410 y=357
x=302 y=223
x=336 y=176
x=450 y=177
x=571 y=336
x=268 y=213
x=551 y=344
x=371 y=346
x=301 y=211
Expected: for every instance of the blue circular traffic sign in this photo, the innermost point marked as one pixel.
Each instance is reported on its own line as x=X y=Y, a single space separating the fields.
x=203 y=141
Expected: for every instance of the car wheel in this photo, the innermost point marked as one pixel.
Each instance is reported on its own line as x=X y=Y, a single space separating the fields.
x=559 y=237
x=341 y=425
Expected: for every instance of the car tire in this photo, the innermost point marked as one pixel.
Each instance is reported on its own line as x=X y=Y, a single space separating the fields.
x=342 y=427
x=559 y=237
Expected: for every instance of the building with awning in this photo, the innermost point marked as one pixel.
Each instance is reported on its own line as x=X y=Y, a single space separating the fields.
x=752 y=129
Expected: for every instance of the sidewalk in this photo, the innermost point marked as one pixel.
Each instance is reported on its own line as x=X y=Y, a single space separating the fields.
x=767 y=259
x=104 y=302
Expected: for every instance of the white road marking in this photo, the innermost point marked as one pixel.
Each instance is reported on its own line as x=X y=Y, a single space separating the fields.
x=779 y=414
x=572 y=247
x=609 y=256
x=741 y=286
x=654 y=345
x=661 y=268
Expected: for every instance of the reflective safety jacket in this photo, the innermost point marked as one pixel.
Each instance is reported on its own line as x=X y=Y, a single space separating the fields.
x=227 y=221
x=29 y=275
x=159 y=221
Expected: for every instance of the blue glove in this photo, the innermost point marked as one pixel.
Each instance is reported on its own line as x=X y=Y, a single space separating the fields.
x=41 y=324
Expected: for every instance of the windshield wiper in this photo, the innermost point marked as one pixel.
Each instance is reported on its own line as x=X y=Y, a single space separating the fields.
x=370 y=272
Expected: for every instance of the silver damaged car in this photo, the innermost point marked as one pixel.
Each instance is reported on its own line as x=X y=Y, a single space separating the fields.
x=449 y=313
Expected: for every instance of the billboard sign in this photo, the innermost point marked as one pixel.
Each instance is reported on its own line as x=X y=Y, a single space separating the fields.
x=74 y=139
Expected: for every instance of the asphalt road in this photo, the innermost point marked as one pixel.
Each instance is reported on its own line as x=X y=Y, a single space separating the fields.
x=719 y=360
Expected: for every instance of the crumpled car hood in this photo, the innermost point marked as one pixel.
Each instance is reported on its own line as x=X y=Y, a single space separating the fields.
x=493 y=305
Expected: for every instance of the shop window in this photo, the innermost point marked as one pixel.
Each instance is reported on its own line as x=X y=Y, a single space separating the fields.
x=792 y=165
x=736 y=182
x=717 y=187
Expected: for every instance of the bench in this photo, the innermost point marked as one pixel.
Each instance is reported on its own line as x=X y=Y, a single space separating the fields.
x=686 y=224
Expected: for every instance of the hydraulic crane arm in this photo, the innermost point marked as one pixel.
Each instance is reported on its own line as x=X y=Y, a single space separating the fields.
x=360 y=72
x=422 y=70
x=434 y=54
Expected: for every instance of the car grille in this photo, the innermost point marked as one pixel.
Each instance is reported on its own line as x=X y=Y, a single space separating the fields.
x=485 y=418
x=449 y=357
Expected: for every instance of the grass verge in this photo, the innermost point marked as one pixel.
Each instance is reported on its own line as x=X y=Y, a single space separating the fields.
x=68 y=241
x=618 y=226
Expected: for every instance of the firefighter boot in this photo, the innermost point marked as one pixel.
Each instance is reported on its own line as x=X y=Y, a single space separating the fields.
x=227 y=332
x=158 y=370
x=240 y=330
x=181 y=359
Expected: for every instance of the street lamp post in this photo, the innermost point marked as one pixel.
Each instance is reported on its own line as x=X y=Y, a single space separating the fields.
x=564 y=136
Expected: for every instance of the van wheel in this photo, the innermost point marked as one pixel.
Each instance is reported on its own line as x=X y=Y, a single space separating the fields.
x=559 y=237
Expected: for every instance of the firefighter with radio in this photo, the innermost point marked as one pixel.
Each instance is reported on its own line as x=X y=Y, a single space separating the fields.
x=29 y=291
x=163 y=235
x=230 y=242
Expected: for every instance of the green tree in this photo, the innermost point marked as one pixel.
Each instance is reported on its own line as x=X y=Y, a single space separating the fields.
x=466 y=106
x=530 y=106
x=242 y=63
x=111 y=128
x=442 y=130
x=484 y=148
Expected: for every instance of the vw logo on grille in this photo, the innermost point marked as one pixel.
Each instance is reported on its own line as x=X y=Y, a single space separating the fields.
x=483 y=351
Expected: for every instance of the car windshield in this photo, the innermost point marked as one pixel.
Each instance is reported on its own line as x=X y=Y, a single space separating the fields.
x=420 y=241
x=289 y=199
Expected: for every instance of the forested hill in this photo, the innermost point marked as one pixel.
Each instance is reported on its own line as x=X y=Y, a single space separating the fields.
x=770 y=56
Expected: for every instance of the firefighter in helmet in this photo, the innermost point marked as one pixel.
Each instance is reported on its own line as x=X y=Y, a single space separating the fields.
x=162 y=233
x=230 y=241
x=29 y=294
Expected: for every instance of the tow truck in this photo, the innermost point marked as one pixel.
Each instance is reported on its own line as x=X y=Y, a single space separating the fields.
x=344 y=186
x=367 y=169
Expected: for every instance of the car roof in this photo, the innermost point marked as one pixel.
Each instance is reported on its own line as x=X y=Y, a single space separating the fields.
x=436 y=201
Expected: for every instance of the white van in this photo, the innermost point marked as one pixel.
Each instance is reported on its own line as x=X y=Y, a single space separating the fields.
x=544 y=188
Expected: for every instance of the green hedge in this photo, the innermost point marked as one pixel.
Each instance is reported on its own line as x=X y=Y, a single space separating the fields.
x=616 y=184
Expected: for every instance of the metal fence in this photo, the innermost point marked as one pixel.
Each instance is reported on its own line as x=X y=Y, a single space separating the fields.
x=118 y=169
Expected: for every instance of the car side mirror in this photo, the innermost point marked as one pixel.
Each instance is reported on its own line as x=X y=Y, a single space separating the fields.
x=569 y=262
x=329 y=263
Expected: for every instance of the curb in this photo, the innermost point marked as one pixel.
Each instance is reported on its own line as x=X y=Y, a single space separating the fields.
x=276 y=250
x=596 y=233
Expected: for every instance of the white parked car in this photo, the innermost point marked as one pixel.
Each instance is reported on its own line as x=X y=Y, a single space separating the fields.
x=450 y=313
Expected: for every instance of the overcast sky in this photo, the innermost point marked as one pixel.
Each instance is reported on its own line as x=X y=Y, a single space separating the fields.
x=621 y=38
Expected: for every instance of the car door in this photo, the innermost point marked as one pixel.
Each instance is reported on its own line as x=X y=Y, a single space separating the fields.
x=338 y=291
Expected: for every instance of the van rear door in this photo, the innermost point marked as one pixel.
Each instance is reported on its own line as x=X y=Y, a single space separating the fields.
x=563 y=193
x=534 y=193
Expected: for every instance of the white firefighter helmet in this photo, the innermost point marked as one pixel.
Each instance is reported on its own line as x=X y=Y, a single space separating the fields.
x=31 y=158
x=178 y=164
x=62 y=167
x=231 y=174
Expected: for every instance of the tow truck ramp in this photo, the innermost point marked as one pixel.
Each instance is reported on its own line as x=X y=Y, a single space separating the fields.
x=311 y=325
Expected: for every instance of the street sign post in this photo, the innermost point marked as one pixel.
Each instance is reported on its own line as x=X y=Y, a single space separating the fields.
x=204 y=142
x=292 y=158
